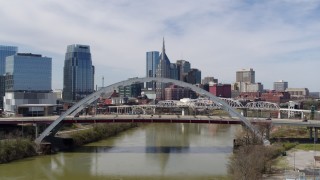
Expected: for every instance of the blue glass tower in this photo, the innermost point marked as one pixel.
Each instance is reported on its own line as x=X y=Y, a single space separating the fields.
x=78 y=77
x=4 y=52
x=152 y=64
x=28 y=72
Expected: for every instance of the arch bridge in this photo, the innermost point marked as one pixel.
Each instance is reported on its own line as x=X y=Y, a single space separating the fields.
x=76 y=108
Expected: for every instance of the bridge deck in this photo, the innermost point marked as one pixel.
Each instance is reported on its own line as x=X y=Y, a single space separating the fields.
x=155 y=119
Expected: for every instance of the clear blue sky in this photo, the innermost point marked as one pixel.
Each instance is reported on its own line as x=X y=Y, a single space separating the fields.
x=279 y=39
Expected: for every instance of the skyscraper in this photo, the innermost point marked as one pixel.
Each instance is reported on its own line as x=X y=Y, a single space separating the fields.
x=193 y=76
x=280 y=86
x=152 y=62
x=78 y=77
x=4 y=52
x=247 y=76
x=174 y=72
x=183 y=69
x=163 y=70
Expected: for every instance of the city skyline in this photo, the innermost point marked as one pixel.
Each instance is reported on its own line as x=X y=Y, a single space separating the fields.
x=278 y=39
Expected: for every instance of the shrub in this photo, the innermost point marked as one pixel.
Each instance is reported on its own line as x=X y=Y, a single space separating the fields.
x=99 y=132
x=13 y=149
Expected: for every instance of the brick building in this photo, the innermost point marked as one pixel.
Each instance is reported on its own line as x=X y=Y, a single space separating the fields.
x=221 y=90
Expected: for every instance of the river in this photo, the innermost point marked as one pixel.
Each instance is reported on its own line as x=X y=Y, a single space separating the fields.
x=154 y=151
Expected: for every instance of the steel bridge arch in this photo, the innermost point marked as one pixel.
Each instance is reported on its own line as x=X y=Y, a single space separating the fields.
x=233 y=103
x=53 y=128
x=264 y=105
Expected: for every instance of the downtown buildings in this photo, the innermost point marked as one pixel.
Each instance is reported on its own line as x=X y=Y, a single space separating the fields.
x=26 y=80
x=160 y=66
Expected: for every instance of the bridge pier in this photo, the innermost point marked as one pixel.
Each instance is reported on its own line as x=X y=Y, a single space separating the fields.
x=268 y=132
x=315 y=134
x=302 y=115
x=245 y=112
x=279 y=114
x=36 y=130
x=310 y=133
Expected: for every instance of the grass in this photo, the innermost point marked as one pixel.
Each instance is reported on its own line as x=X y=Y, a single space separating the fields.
x=290 y=132
x=280 y=163
x=308 y=147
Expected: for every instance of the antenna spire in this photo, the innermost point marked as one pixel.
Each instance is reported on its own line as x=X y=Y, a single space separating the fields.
x=163 y=46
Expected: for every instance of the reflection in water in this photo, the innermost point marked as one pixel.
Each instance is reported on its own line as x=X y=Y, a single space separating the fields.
x=159 y=151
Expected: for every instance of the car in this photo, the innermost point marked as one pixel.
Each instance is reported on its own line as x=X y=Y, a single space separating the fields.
x=268 y=119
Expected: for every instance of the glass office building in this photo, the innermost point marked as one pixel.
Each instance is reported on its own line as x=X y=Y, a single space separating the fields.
x=184 y=68
x=152 y=64
x=78 y=77
x=4 y=52
x=28 y=72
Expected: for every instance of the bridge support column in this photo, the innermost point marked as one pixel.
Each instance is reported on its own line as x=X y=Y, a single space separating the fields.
x=315 y=134
x=268 y=131
x=310 y=133
x=182 y=112
x=279 y=114
x=245 y=112
x=302 y=115
x=36 y=130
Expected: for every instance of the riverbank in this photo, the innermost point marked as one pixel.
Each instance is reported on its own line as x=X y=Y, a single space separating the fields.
x=19 y=148
x=14 y=149
x=298 y=160
x=98 y=132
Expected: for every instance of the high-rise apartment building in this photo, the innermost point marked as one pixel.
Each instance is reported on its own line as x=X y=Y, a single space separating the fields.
x=246 y=76
x=78 y=77
x=163 y=70
x=280 y=86
x=152 y=62
x=4 y=52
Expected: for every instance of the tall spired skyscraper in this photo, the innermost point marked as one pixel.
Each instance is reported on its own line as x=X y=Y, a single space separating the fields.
x=163 y=70
x=78 y=77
